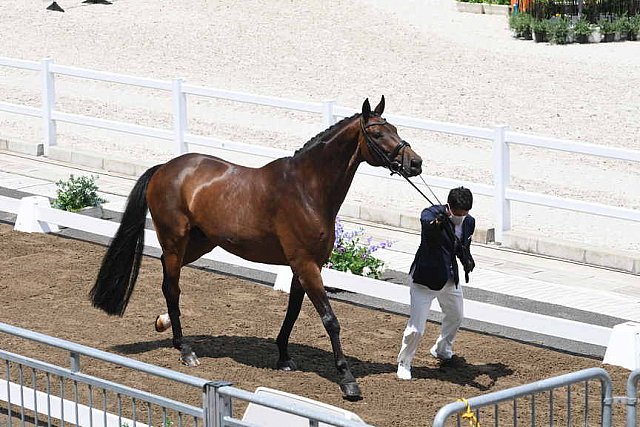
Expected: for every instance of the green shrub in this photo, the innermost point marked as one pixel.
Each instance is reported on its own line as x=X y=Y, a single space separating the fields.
x=635 y=27
x=77 y=193
x=608 y=26
x=582 y=27
x=352 y=255
x=540 y=26
x=520 y=23
x=559 y=30
x=629 y=26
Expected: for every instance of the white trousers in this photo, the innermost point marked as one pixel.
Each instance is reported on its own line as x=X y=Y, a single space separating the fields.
x=451 y=302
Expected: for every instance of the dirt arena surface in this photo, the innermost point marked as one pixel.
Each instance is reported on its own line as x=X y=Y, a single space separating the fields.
x=44 y=281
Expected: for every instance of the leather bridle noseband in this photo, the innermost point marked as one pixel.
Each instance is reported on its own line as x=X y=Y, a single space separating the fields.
x=387 y=159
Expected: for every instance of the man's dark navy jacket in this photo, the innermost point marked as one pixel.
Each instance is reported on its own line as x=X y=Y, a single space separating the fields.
x=434 y=262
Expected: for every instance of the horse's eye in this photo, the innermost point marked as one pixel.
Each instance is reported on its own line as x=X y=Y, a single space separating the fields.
x=377 y=135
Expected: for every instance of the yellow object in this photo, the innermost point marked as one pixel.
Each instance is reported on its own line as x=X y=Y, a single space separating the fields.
x=469 y=415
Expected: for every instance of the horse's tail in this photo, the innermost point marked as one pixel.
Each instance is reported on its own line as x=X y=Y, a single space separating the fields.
x=120 y=265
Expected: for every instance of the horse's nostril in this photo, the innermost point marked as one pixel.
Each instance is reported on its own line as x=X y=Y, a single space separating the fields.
x=416 y=163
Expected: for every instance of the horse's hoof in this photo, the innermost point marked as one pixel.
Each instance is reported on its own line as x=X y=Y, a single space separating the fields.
x=287 y=365
x=190 y=359
x=351 y=391
x=163 y=322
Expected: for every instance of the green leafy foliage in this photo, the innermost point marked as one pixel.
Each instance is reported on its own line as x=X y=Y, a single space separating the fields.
x=540 y=25
x=77 y=193
x=608 y=26
x=352 y=254
x=630 y=26
x=521 y=25
x=559 y=30
x=582 y=28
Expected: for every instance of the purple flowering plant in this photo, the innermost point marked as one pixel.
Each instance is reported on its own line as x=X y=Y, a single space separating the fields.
x=352 y=252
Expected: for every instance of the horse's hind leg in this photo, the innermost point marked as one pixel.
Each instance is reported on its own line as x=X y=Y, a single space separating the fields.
x=296 y=295
x=171 y=265
x=196 y=246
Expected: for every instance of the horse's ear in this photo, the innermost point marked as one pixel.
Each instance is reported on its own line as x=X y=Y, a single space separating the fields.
x=366 y=110
x=380 y=107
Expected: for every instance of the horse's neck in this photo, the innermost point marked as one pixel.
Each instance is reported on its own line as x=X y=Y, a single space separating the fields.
x=334 y=166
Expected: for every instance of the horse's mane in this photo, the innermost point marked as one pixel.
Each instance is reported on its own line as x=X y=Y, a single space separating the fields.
x=323 y=136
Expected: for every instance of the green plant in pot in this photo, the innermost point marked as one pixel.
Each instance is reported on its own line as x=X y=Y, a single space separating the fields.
x=559 y=30
x=608 y=29
x=77 y=193
x=540 y=29
x=635 y=23
x=521 y=25
x=582 y=30
x=629 y=27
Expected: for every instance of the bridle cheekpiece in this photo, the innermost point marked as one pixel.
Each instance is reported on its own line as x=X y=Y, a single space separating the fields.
x=387 y=159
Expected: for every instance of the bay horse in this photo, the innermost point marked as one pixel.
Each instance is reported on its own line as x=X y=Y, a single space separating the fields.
x=282 y=213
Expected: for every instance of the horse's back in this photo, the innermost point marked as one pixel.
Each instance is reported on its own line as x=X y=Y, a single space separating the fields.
x=201 y=187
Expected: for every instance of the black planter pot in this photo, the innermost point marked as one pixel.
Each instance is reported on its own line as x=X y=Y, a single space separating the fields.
x=608 y=38
x=540 y=36
x=582 y=38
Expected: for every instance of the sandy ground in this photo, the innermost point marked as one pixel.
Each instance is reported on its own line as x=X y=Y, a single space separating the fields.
x=429 y=60
x=232 y=323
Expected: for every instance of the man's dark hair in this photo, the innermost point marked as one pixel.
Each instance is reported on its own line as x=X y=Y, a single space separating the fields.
x=460 y=198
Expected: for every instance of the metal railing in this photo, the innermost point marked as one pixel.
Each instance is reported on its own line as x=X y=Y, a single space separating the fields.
x=632 y=397
x=42 y=392
x=500 y=136
x=36 y=392
x=525 y=401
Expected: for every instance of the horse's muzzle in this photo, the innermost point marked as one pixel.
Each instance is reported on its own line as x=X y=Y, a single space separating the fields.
x=414 y=167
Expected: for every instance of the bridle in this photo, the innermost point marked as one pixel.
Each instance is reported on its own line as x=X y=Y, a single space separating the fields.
x=387 y=159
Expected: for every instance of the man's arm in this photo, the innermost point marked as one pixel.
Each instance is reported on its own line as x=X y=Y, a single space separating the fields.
x=432 y=222
x=464 y=252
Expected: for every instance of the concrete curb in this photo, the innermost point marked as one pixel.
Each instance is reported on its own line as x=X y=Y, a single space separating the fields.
x=21 y=147
x=625 y=261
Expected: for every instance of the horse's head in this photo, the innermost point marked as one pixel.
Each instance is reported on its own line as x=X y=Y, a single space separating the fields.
x=380 y=144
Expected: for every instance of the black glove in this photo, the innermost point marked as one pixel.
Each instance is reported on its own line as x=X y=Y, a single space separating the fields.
x=441 y=220
x=467 y=262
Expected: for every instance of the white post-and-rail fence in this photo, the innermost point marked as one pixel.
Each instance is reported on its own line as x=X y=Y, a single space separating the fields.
x=500 y=136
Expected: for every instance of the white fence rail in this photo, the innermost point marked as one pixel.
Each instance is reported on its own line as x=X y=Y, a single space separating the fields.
x=500 y=136
x=503 y=316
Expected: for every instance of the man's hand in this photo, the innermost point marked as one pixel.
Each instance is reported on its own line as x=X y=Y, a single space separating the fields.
x=467 y=262
x=441 y=220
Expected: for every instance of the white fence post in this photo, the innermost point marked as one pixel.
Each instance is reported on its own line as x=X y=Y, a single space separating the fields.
x=327 y=113
x=27 y=219
x=179 y=117
x=501 y=178
x=48 y=104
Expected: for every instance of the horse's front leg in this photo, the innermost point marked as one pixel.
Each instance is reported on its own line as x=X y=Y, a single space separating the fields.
x=171 y=265
x=311 y=281
x=296 y=295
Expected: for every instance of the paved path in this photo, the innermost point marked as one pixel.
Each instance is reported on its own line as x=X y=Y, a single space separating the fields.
x=519 y=280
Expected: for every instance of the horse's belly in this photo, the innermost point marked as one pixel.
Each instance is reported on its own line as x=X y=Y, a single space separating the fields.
x=257 y=252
